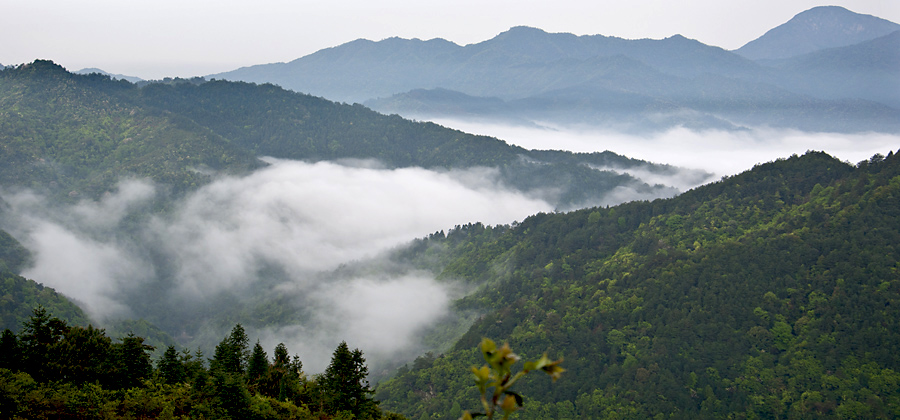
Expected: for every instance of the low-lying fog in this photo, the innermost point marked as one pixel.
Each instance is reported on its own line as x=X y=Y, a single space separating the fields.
x=719 y=152
x=304 y=219
x=298 y=217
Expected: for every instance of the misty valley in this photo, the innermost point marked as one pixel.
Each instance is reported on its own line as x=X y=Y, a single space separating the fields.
x=667 y=229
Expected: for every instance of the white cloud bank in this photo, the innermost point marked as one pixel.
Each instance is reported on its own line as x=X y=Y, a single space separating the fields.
x=307 y=218
x=302 y=218
x=720 y=152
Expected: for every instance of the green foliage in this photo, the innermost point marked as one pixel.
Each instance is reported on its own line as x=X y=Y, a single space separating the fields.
x=78 y=135
x=170 y=368
x=51 y=370
x=344 y=383
x=18 y=296
x=495 y=380
x=13 y=256
x=772 y=293
x=232 y=353
x=132 y=362
x=258 y=365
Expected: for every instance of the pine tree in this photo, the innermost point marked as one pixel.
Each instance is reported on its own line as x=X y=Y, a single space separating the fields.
x=345 y=384
x=9 y=350
x=170 y=368
x=232 y=353
x=258 y=365
x=133 y=359
x=39 y=334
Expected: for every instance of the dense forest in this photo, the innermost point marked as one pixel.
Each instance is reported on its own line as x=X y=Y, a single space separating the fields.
x=770 y=294
x=773 y=293
x=77 y=135
x=53 y=370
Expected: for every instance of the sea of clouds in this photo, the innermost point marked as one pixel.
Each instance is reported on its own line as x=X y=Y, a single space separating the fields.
x=302 y=218
x=307 y=219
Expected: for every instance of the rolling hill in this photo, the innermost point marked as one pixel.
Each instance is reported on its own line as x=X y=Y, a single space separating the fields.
x=772 y=293
x=68 y=140
x=78 y=135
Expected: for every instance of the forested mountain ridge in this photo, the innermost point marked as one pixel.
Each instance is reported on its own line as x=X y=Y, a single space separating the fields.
x=73 y=134
x=67 y=142
x=78 y=135
x=19 y=296
x=772 y=293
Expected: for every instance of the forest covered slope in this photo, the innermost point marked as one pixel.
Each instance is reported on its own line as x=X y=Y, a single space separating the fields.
x=73 y=135
x=774 y=293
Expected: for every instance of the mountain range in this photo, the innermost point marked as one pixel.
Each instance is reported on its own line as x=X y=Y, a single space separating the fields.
x=773 y=293
x=769 y=294
x=178 y=133
x=641 y=85
x=72 y=140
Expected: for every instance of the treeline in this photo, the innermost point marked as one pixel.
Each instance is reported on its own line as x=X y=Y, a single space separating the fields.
x=51 y=370
x=770 y=294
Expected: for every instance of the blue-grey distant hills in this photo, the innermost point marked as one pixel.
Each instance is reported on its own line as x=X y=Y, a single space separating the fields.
x=870 y=69
x=132 y=79
x=526 y=75
x=816 y=29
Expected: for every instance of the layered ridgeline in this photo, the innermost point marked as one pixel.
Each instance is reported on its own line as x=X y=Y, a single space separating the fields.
x=770 y=294
x=102 y=178
x=74 y=135
x=528 y=75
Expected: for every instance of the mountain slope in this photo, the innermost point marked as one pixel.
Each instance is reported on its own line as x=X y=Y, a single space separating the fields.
x=70 y=139
x=73 y=135
x=772 y=293
x=870 y=69
x=19 y=296
x=816 y=29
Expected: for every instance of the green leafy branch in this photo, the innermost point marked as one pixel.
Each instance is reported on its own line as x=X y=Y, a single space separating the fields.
x=495 y=379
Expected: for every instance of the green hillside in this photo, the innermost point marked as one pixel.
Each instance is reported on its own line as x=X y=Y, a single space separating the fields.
x=77 y=135
x=13 y=256
x=18 y=296
x=770 y=294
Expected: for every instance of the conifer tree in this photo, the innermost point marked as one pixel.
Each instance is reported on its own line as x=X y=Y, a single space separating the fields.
x=232 y=353
x=37 y=338
x=133 y=359
x=258 y=365
x=9 y=350
x=345 y=384
x=170 y=368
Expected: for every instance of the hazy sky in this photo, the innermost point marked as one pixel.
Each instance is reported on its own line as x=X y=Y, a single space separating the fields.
x=153 y=39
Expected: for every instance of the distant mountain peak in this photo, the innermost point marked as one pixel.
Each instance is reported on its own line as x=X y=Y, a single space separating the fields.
x=519 y=32
x=816 y=29
x=526 y=29
x=44 y=65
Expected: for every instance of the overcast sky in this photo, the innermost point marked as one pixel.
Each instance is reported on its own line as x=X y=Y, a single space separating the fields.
x=153 y=39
